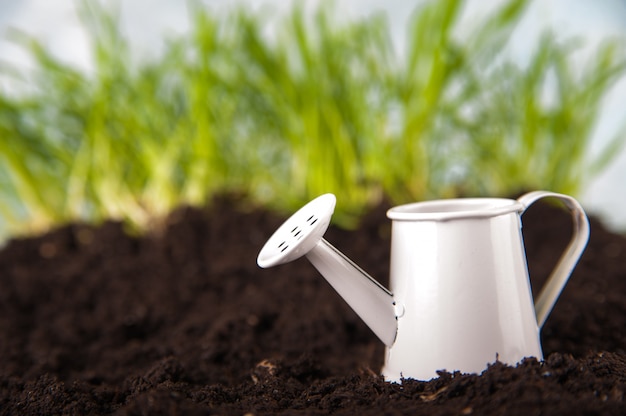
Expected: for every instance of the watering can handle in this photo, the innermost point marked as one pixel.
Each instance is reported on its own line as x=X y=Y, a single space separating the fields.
x=561 y=273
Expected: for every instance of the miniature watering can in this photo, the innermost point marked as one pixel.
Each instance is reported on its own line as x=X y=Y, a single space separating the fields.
x=460 y=293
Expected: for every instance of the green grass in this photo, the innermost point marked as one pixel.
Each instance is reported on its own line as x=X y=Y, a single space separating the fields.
x=323 y=104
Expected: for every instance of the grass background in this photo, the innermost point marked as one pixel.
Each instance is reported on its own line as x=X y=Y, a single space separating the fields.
x=320 y=104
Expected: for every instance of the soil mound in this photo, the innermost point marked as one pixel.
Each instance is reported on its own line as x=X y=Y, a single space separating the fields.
x=94 y=321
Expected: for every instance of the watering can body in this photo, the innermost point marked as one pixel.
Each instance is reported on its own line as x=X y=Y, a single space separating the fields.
x=460 y=295
x=464 y=287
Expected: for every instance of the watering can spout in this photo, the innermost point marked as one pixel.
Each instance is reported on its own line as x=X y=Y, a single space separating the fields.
x=301 y=235
x=369 y=299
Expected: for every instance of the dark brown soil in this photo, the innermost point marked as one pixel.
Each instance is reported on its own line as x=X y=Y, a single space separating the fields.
x=93 y=321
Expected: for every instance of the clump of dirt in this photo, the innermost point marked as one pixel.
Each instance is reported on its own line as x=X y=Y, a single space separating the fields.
x=94 y=321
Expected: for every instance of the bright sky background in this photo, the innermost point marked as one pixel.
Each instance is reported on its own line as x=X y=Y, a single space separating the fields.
x=148 y=22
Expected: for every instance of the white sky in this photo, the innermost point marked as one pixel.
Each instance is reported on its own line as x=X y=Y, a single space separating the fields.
x=147 y=21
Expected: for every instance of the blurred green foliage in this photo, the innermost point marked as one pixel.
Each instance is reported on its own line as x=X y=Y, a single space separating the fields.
x=320 y=104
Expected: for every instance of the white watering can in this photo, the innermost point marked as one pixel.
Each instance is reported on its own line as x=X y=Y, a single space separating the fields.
x=460 y=293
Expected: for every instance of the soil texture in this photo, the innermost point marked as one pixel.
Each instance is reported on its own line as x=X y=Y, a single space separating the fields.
x=182 y=321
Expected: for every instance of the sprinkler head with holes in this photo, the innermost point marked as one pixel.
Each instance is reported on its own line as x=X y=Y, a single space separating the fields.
x=299 y=234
